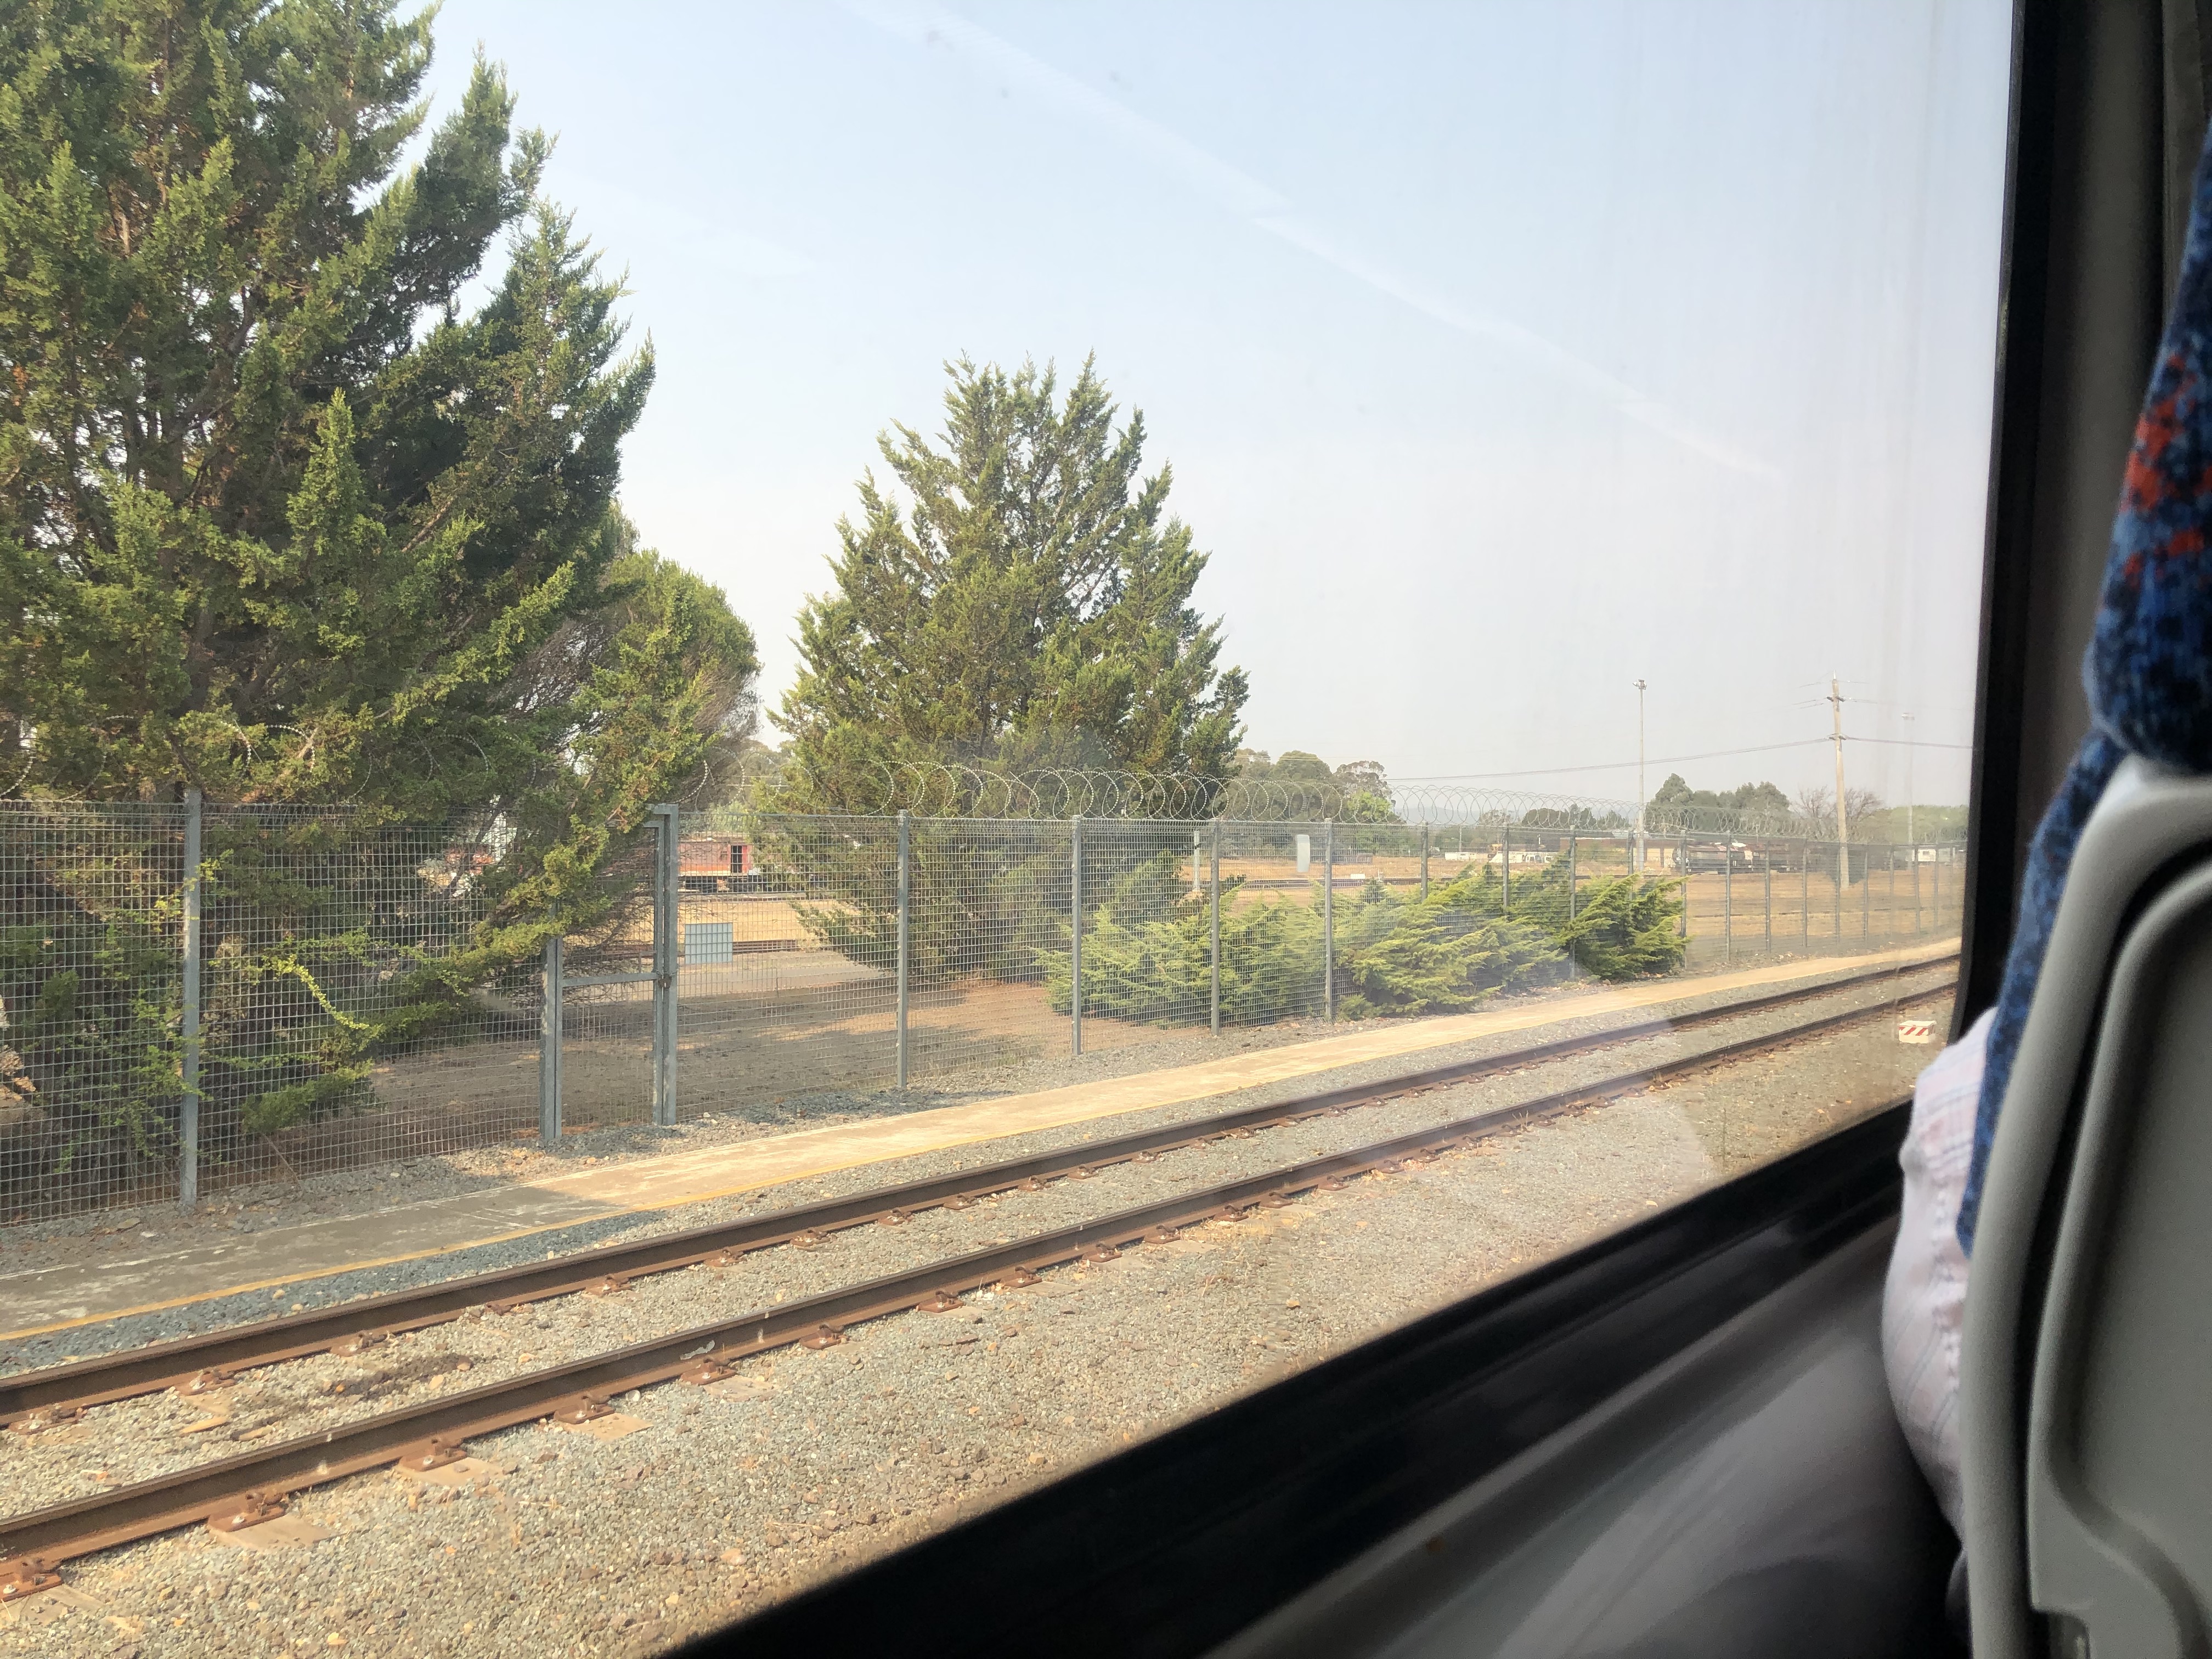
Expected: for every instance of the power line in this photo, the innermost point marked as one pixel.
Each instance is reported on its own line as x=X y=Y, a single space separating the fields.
x=1613 y=766
x=1668 y=760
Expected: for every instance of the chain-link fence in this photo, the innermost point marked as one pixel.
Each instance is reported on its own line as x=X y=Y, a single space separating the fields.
x=162 y=1036
x=194 y=999
x=91 y=993
x=309 y=925
x=856 y=953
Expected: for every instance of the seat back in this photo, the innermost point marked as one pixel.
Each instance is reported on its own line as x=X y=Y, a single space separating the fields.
x=2087 y=1365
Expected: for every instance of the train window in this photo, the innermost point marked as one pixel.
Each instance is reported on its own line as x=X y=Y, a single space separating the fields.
x=974 y=727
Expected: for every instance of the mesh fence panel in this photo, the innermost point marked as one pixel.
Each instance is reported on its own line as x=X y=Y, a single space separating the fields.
x=1146 y=913
x=1787 y=897
x=606 y=1016
x=988 y=918
x=90 y=1005
x=312 y=922
x=788 y=930
x=1272 y=910
x=784 y=980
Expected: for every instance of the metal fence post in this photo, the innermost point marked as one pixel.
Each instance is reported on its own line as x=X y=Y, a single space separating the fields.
x=668 y=890
x=549 y=1048
x=1766 y=893
x=1424 y=863
x=905 y=904
x=1728 y=903
x=1805 y=894
x=1916 y=890
x=188 y=1123
x=1075 y=934
x=1213 y=929
x=1328 y=920
x=1682 y=869
x=1506 y=864
x=1842 y=869
x=1866 y=899
x=1570 y=899
x=1935 y=898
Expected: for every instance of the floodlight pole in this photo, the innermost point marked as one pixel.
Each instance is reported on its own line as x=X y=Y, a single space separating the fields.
x=1641 y=796
x=1908 y=786
x=1836 y=703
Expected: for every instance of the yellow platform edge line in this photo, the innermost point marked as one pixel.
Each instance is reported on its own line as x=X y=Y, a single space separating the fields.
x=299 y=1278
x=872 y=1140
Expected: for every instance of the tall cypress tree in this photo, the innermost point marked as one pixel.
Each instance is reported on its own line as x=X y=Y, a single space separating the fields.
x=1023 y=599
x=281 y=517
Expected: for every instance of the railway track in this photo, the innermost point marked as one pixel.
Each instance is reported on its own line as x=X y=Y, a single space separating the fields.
x=253 y=1486
x=57 y=1394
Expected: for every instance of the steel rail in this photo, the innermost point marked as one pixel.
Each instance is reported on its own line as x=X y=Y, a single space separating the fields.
x=254 y=1483
x=54 y=1392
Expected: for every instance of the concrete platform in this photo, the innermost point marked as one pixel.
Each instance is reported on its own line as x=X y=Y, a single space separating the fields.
x=59 y=1296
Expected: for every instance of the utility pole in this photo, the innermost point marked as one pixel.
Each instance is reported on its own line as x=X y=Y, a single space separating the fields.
x=1843 y=827
x=1640 y=796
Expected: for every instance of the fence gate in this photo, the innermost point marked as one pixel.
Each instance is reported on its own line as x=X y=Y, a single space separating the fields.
x=607 y=1001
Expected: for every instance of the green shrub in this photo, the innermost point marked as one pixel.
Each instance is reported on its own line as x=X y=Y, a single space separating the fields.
x=1001 y=910
x=1623 y=927
x=1155 y=968
x=1627 y=929
x=1417 y=957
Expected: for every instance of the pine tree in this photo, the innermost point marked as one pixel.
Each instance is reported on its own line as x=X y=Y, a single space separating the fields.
x=1623 y=927
x=280 y=518
x=1021 y=600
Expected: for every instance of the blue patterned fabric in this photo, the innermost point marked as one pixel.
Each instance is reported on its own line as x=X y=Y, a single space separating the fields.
x=2148 y=668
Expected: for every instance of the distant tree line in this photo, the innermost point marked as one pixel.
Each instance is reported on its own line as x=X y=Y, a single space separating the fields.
x=1675 y=793
x=1361 y=788
x=1763 y=808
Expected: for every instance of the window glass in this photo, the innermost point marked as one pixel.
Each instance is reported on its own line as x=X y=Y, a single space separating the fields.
x=1132 y=689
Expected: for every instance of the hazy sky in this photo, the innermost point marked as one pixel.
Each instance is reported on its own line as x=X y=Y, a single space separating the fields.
x=1505 y=353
